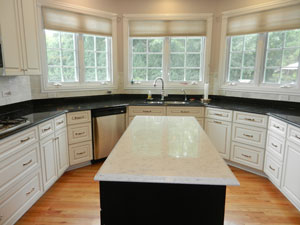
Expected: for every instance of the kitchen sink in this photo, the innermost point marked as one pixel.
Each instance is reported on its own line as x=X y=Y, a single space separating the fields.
x=167 y=102
x=176 y=103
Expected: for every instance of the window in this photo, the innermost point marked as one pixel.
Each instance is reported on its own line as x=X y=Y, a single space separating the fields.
x=242 y=56
x=177 y=59
x=78 y=48
x=63 y=57
x=281 y=58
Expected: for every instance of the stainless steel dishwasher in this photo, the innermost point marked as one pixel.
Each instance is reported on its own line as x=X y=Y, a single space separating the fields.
x=108 y=126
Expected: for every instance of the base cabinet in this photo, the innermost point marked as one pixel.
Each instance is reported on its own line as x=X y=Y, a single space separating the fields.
x=291 y=176
x=219 y=133
x=62 y=151
x=48 y=152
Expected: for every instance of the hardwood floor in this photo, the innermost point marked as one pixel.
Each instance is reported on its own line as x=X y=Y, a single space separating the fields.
x=74 y=199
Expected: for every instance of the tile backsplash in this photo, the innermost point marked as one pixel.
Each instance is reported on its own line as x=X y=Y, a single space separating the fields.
x=14 y=89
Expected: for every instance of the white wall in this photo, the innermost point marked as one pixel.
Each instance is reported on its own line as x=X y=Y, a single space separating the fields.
x=19 y=88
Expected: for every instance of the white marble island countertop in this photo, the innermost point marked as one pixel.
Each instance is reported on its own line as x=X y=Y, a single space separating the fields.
x=162 y=149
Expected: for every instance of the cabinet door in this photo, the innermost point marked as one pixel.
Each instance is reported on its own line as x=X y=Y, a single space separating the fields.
x=30 y=41
x=62 y=151
x=48 y=153
x=291 y=177
x=219 y=133
x=11 y=38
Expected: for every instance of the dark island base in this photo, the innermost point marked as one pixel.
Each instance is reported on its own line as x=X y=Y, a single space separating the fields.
x=133 y=203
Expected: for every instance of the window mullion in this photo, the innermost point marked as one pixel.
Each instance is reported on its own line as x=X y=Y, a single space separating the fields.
x=80 y=58
x=166 y=58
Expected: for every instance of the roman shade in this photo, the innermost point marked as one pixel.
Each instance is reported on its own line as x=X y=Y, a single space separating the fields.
x=57 y=19
x=160 y=28
x=283 y=18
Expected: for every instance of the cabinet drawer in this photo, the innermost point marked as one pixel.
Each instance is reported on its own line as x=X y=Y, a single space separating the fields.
x=13 y=168
x=247 y=155
x=17 y=142
x=220 y=114
x=79 y=117
x=46 y=128
x=277 y=126
x=146 y=110
x=275 y=145
x=249 y=135
x=60 y=122
x=79 y=133
x=293 y=134
x=81 y=152
x=250 y=119
x=185 y=111
x=273 y=169
x=20 y=198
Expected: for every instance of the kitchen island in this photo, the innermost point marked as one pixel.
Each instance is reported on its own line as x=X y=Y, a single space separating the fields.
x=164 y=170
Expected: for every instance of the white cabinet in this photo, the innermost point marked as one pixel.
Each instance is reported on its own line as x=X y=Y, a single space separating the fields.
x=62 y=152
x=80 y=137
x=291 y=177
x=219 y=133
x=48 y=153
x=19 y=34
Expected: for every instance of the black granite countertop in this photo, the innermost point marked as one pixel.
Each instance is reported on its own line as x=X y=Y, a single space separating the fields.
x=38 y=111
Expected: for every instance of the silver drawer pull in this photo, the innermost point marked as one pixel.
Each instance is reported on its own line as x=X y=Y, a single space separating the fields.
x=61 y=122
x=274 y=145
x=32 y=190
x=80 y=153
x=78 y=117
x=24 y=140
x=271 y=168
x=250 y=119
x=219 y=114
x=247 y=135
x=25 y=164
x=184 y=111
x=46 y=129
x=277 y=127
x=247 y=156
x=296 y=136
x=80 y=133
x=147 y=111
x=218 y=122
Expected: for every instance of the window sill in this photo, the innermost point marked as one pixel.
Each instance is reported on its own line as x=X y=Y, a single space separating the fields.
x=167 y=86
x=72 y=88
x=267 y=89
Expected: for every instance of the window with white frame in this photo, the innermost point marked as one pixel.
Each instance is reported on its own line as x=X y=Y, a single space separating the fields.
x=172 y=49
x=177 y=59
x=281 y=57
x=77 y=54
x=263 y=47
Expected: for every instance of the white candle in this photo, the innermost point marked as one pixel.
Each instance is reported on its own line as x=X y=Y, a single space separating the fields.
x=206 y=91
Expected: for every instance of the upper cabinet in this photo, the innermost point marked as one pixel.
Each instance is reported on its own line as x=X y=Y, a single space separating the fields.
x=19 y=35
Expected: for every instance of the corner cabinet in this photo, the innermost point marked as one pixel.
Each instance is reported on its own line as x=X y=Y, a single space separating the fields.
x=290 y=184
x=19 y=36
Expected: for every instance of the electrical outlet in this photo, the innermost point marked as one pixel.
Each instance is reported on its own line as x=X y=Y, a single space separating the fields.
x=6 y=93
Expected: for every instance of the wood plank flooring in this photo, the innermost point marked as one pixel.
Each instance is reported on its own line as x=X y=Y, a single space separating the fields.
x=74 y=199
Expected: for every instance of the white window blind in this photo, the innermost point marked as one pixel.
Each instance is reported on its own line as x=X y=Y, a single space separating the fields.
x=277 y=19
x=164 y=28
x=57 y=19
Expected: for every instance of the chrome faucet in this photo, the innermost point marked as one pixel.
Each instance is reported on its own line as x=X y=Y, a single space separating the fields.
x=162 y=87
x=185 y=98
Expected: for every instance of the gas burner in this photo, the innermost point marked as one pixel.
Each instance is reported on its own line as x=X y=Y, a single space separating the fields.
x=8 y=124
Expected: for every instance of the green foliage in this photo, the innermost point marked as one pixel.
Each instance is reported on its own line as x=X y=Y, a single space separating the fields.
x=155 y=45
x=177 y=60
x=234 y=74
x=139 y=45
x=139 y=60
x=176 y=74
x=192 y=74
x=155 y=60
x=177 y=44
x=154 y=73
x=193 y=60
x=193 y=45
